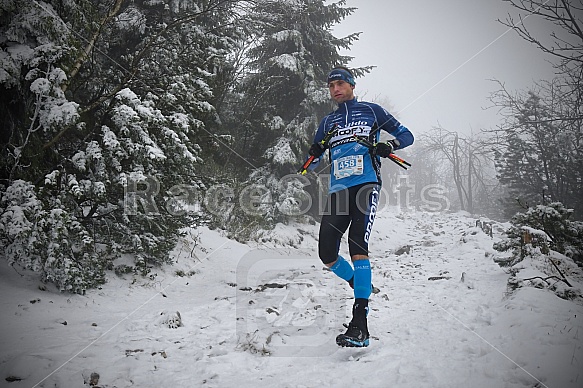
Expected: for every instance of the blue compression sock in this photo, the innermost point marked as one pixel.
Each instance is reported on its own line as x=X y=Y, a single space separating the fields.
x=343 y=269
x=362 y=279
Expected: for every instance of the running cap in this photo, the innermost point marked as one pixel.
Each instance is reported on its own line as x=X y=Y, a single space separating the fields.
x=341 y=74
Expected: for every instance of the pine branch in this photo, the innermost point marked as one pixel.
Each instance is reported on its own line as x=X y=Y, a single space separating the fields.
x=90 y=44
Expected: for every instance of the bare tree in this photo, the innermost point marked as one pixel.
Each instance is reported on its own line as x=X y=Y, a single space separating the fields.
x=542 y=132
x=468 y=159
x=566 y=41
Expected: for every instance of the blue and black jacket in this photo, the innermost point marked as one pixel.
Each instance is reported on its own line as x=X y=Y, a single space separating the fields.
x=351 y=162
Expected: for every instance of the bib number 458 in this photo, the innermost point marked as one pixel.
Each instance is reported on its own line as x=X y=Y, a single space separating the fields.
x=348 y=165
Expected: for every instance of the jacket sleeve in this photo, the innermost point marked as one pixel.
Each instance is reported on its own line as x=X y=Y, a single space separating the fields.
x=390 y=124
x=321 y=132
x=404 y=136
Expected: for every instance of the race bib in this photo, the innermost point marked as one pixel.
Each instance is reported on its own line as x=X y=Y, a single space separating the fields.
x=348 y=165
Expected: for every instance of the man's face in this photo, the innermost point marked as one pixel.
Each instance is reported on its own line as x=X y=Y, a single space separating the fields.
x=341 y=91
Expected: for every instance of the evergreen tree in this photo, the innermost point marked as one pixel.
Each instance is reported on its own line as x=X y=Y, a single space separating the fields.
x=100 y=125
x=542 y=227
x=537 y=158
x=115 y=115
x=283 y=96
x=548 y=122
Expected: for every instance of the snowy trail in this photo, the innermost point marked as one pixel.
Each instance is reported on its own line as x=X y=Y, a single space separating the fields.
x=266 y=316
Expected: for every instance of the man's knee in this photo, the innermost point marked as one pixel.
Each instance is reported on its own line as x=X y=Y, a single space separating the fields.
x=359 y=257
x=328 y=257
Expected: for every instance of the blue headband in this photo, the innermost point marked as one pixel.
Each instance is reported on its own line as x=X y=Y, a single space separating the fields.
x=341 y=74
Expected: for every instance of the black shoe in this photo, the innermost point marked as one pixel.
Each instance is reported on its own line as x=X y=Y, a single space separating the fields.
x=357 y=334
x=354 y=337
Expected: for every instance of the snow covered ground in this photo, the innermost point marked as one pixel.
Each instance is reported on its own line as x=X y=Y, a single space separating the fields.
x=267 y=314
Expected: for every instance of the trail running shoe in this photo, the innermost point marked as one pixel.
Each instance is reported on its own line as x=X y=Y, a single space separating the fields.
x=354 y=337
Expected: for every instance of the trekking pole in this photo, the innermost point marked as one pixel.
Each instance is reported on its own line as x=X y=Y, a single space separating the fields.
x=400 y=161
x=304 y=169
x=394 y=158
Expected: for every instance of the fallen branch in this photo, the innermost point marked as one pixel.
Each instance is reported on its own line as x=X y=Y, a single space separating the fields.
x=560 y=273
x=547 y=278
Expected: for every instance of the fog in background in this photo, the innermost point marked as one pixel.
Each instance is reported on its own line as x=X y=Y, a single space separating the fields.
x=435 y=60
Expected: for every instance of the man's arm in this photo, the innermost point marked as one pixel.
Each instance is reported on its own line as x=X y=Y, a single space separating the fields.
x=390 y=124
x=403 y=136
x=320 y=133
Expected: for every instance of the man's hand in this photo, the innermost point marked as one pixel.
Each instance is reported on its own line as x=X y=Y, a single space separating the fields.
x=384 y=149
x=316 y=150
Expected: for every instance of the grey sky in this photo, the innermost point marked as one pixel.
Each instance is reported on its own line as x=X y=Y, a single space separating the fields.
x=418 y=45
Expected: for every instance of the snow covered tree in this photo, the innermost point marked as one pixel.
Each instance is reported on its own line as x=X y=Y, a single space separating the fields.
x=542 y=228
x=282 y=95
x=541 y=141
x=292 y=51
x=539 y=156
x=109 y=113
x=104 y=107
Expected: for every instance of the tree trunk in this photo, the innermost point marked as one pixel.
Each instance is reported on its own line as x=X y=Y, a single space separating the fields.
x=90 y=44
x=470 y=195
x=457 y=178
